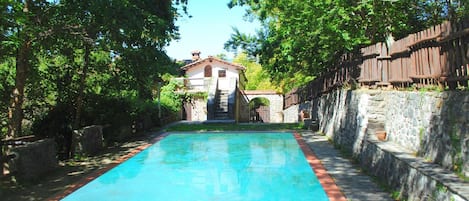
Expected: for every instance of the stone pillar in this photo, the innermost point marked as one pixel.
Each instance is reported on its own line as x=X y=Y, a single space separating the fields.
x=88 y=140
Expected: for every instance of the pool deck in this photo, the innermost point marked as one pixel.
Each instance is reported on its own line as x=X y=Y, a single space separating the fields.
x=354 y=184
x=340 y=179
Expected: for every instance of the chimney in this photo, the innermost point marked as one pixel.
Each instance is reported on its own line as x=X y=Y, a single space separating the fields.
x=195 y=55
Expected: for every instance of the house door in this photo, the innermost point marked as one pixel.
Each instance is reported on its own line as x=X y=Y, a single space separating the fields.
x=260 y=114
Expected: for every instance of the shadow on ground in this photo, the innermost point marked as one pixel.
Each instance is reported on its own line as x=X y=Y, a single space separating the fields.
x=68 y=173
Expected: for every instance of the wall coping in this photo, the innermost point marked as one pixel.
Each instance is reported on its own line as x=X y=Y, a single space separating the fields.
x=434 y=171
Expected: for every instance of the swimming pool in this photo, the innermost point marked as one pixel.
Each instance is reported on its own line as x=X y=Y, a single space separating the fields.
x=211 y=166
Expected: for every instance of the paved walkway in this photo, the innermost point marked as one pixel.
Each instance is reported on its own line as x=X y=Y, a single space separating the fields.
x=354 y=184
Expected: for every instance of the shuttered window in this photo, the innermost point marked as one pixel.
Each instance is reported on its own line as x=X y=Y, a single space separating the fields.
x=208 y=71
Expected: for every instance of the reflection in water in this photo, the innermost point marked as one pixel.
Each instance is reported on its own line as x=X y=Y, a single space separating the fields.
x=229 y=166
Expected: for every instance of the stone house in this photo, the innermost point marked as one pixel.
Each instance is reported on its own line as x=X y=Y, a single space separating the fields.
x=215 y=90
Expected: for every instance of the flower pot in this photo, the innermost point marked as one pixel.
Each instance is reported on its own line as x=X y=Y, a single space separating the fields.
x=381 y=135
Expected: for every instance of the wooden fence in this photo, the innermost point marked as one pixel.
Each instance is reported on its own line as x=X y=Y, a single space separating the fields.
x=438 y=56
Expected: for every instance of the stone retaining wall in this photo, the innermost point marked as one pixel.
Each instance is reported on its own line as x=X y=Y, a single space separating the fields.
x=34 y=159
x=414 y=179
x=432 y=127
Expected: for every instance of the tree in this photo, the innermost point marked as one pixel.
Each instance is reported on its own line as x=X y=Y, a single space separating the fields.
x=246 y=43
x=257 y=78
x=113 y=43
x=304 y=37
x=24 y=27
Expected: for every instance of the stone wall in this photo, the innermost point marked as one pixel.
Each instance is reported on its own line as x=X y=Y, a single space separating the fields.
x=199 y=109
x=34 y=159
x=342 y=116
x=290 y=114
x=430 y=126
x=88 y=140
x=242 y=108
x=276 y=107
x=414 y=179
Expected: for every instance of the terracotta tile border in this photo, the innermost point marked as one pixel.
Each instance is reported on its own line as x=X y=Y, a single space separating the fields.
x=328 y=184
x=99 y=172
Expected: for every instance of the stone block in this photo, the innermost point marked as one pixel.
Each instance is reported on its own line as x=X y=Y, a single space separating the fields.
x=465 y=107
x=466 y=99
x=307 y=123
x=33 y=160
x=444 y=95
x=88 y=140
x=465 y=155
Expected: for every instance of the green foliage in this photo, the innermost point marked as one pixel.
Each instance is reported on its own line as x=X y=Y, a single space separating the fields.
x=125 y=41
x=120 y=116
x=238 y=40
x=173 y=98
x=257 y=77
x=302 y=38
x=169 y=97
x=257 y=102
x=6 y=86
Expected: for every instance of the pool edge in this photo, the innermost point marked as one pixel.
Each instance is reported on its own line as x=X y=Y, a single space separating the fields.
x=328 y=184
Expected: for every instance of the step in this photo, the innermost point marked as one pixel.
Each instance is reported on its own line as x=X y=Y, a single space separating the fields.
x=221 y=114
x=424 y=173
x=222 y=118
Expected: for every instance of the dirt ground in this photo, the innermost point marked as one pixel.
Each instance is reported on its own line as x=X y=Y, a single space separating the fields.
x=68 y=173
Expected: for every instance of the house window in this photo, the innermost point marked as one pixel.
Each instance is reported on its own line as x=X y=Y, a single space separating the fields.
x=208 y=71
x=222 y=73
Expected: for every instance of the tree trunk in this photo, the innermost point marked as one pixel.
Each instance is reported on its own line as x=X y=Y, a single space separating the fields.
x=15 y=111
x=80 y=97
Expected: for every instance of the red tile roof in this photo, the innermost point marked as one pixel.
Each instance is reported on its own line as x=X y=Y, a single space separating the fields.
x=211 y=59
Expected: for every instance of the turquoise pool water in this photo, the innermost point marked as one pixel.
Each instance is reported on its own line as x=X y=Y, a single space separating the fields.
x=211 y=166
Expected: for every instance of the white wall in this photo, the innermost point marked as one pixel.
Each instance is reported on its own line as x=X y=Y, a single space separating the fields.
x=193 y=74
x=198 y=72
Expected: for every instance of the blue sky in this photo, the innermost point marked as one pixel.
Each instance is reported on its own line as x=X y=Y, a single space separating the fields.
x=208 y=29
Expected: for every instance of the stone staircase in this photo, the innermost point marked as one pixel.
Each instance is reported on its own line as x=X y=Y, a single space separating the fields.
x=376 y=117
x=221 y=105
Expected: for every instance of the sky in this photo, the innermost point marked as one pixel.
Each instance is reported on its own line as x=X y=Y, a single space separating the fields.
x=208 y=29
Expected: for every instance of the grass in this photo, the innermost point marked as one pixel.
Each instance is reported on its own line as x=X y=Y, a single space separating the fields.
x=235 y=127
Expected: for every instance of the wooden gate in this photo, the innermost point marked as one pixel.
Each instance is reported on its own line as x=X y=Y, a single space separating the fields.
x=260 y=114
